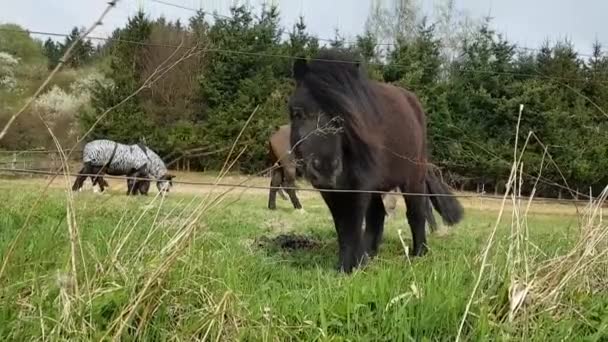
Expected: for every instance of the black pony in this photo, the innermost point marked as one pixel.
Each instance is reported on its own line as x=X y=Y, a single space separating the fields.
x=354 y=133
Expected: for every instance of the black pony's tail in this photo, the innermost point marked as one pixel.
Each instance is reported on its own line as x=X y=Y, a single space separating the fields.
x=448 y=206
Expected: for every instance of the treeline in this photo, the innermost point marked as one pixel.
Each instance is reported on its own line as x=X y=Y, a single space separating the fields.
x=470 y=79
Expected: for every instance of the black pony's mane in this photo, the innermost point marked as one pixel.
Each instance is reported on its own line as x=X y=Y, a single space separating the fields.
x=337 y=82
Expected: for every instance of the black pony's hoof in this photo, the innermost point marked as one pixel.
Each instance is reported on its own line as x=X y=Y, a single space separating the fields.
x=349 y=267
x=419 y=252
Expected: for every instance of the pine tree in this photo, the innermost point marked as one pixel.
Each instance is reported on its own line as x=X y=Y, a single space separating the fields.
x=128 y=123
x=81 y=53
x=233 y=84
x=52 y=51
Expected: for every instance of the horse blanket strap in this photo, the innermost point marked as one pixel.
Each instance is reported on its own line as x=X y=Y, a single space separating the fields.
x=105 y=166
x=143 y=148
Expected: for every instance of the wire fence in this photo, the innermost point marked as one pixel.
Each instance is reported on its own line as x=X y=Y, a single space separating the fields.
x=44 y=159
x=479 y=195
x=290 y=57
x=329 y=40
x=34 y=164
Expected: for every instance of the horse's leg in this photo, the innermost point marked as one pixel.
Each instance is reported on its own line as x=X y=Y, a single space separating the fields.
x=99 y=181
x=136 y=187
x=143 y=187
x=417 y=207
x=374 y=225
x=347 y=210
x=104 y=182
x=430 y=217
x=94 y=184
x=131 y=183
x=275 y=182
x=289 y=182
x=97 y=171
x=81 y=177
x=282 y=193
x=293 y=197
x=390 y=203
x=137 y=184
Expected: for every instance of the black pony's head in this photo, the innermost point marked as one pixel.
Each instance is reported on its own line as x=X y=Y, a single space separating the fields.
x=327 y=127
x=164 y=183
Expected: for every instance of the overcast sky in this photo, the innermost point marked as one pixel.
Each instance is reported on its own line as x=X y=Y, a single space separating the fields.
x=526 y=22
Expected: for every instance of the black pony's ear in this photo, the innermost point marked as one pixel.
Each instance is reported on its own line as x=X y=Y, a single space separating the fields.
x=300 y=68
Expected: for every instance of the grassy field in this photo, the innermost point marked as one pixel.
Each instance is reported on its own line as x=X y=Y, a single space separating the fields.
x=149 y=269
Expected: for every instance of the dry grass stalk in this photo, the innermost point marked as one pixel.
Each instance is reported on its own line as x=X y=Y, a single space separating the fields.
x=583 y=268
x=175 y=247
x=511 y=181
x=70 y=296
x=162 y=69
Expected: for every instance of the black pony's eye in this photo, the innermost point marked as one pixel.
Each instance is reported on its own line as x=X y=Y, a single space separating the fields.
x=297 y=112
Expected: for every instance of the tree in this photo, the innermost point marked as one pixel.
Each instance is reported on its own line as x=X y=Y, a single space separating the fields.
x=52 y=51
x=301 y=43
x=128 y=123
x=82 y=51
x=17 y=42
x=233 y=84
x=482 y=120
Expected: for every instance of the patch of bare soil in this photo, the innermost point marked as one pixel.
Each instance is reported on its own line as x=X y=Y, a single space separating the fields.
x=287 y=242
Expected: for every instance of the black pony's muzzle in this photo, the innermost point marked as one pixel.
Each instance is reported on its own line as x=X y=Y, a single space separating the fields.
x=323 y=173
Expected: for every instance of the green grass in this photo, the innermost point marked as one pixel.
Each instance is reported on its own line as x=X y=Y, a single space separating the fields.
x=226 y=286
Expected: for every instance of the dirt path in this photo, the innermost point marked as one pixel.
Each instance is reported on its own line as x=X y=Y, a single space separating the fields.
x=119 y=185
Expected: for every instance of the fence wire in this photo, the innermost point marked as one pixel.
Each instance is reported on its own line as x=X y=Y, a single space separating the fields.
x=261 y=187
x=290 y=57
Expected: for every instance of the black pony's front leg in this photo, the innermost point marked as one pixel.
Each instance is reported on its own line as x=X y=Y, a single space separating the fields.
x=348 y=210
x=82 y=176
x=374 y=225
x=99 y=181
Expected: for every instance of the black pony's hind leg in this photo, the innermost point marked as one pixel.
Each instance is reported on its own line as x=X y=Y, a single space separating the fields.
x=416 y=218
x=374 y=225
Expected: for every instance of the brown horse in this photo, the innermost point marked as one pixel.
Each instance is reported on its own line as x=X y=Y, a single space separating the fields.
x=390 y=204
x=356 y=134
x=284 y=175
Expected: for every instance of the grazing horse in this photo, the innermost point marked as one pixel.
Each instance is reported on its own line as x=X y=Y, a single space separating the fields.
x=106 y=156
x=362 y=135
x=284 y=175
